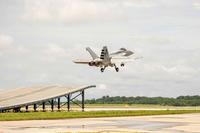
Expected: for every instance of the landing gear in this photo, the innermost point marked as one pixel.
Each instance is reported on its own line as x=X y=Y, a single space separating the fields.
x=116 y=68
x=122 y=64
x=104 y=67
x=102 y=70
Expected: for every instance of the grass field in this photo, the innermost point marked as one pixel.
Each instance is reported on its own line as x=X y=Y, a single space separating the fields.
x=91 y=114
x=141 y=106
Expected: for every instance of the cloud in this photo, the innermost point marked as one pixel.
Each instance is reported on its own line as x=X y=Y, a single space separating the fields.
x=53 y=52
x=139 y=3
x=155 y=29
x=102 y=86
x=76 y=11
x=157 y=40
x=196 y=5
x=6 y=43
x=8 y=46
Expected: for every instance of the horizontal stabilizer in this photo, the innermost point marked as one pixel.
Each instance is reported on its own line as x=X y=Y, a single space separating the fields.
x=81 y=62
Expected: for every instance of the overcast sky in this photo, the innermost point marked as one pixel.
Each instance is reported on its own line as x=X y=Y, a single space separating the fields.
x=40 y=38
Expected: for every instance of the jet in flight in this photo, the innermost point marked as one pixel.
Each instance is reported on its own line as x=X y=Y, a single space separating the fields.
x=105 y=60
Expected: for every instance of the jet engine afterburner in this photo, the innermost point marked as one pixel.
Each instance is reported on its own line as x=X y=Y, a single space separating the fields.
x=93 y=63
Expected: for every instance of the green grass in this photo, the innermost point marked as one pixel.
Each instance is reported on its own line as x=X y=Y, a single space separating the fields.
x=121 y=105
x=146 y=106
x=91 y=114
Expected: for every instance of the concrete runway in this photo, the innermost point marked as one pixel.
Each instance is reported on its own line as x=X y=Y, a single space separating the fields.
x=185 y=123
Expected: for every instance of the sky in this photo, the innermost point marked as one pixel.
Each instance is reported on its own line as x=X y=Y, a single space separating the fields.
x=40 y=38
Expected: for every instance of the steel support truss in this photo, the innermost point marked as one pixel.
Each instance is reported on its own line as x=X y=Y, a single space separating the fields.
x=70 y=99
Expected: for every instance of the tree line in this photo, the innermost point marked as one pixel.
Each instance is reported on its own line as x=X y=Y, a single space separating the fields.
x=178 y=101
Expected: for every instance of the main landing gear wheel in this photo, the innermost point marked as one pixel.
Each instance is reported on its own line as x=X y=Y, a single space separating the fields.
x=117 y=69
x=102 y=69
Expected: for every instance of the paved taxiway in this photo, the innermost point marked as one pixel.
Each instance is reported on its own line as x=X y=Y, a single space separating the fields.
x=186 y=123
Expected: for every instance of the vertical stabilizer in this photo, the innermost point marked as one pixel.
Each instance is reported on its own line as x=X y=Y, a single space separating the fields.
x=92 y=53
x=104 y=53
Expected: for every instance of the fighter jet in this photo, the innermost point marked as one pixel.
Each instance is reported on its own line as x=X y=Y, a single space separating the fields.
x=106 y=59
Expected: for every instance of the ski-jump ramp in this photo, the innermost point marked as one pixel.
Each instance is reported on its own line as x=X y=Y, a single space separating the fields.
x=24 y=97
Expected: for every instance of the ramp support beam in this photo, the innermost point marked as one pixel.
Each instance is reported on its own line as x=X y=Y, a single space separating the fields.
x=59 y=104
x=43 y=107
x=83 y=100
x=80 y=104
x=68 y=102
x=26 y=108
x=17 y=109
x=35 y=107
x=52 y=105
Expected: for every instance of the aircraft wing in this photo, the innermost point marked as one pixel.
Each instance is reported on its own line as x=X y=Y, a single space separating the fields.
x=81 y=62
x=124 y=59
x=122 y=52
